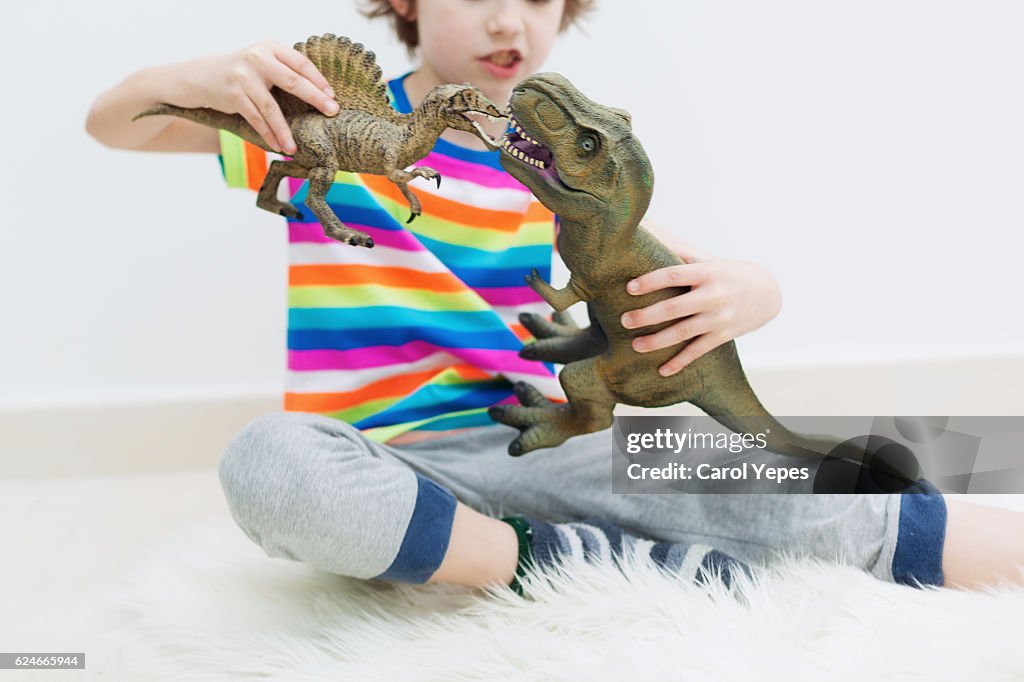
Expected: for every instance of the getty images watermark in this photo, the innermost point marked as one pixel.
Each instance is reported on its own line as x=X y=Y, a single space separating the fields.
x=696 y=454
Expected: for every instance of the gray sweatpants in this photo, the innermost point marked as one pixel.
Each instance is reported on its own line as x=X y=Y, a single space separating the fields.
x=313 y=489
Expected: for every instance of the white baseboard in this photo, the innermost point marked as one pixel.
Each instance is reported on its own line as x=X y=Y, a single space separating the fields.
x=183 y=434
x=122 y=437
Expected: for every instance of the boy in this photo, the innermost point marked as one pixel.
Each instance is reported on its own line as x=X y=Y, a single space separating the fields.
x=385 y=464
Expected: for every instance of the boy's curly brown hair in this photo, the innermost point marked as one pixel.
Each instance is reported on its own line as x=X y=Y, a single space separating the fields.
x=408 y=32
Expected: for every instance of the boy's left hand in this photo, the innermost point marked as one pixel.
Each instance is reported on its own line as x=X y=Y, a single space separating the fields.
x=727 y=298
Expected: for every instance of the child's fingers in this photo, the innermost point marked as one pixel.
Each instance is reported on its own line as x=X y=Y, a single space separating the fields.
x=252 y=114
x=683 y=330
x=695 y=349
x=270 y=112
x=300 y=63
x=673 y=308
x=690 y=274
x=297 y=83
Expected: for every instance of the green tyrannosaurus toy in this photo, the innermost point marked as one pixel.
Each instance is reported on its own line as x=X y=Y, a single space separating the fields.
x=582 y=161
x=366 y=136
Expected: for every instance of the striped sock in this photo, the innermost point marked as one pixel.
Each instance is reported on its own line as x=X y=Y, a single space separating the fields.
x=543 y=544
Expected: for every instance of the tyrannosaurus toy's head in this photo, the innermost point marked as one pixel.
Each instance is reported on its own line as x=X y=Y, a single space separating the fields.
x=578 y=157
x=455 y=101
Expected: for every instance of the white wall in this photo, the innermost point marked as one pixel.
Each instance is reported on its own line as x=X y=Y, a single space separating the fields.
x=870 y=152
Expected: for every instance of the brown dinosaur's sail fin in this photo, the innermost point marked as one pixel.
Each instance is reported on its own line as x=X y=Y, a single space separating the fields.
x=352 y=72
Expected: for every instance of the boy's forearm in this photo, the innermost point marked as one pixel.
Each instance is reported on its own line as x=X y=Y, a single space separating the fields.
x=674 y=243
x=110 y=118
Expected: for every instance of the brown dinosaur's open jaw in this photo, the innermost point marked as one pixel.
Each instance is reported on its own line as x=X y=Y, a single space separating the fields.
x=488 y=140
x=520 y=145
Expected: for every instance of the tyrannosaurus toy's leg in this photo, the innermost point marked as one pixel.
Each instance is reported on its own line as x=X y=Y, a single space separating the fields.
x=402 y=178
x=545 y=424
x=320 y=180
x=267 y=197
x=560 y=340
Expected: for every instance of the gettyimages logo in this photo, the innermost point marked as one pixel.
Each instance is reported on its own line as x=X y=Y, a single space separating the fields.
x=695 y=454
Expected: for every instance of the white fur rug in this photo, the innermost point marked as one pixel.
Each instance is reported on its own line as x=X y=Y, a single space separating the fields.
x=211 y=606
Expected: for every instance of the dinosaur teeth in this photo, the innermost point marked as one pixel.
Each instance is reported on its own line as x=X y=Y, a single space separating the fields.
x=488 y=140
x=506 y=144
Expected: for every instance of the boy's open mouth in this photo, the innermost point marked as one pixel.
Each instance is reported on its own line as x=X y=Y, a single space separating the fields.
x=504 y=57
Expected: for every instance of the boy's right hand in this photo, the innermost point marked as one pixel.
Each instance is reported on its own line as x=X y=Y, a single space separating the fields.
x=240 y=83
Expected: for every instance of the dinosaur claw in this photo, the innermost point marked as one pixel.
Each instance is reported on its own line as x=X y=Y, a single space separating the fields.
x=515 y=448
x=411 y=216
x=360 y=239
x=438 y=178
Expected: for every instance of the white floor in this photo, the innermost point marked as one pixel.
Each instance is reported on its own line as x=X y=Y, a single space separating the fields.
x=68 y=540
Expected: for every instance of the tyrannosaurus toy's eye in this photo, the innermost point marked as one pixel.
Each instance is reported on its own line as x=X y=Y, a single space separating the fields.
x=587 y=143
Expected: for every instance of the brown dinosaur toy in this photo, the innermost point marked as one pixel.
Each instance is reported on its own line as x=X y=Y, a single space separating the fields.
x=366 y=136
x=583 y=162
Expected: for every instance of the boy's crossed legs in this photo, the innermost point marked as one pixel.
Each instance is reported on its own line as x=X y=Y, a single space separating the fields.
x=313 y=489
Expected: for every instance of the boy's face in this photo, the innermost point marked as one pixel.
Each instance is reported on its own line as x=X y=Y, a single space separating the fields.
x=492 y=44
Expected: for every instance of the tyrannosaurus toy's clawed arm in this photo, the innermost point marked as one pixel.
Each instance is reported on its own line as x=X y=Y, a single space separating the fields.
x=559 y=299
x=561 y=340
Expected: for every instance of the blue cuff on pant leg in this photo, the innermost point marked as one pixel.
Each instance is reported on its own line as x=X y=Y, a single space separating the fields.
x=426 y=539
x=922 y=532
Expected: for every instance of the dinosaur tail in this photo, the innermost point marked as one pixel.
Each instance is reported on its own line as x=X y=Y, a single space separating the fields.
x=732 y=402
x=234 y=123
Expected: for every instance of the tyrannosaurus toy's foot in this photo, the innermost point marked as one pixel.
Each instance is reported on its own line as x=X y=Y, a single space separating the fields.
x=539 y=420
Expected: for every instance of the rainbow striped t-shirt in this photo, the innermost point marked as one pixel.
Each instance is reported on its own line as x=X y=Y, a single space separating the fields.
x=421 y=331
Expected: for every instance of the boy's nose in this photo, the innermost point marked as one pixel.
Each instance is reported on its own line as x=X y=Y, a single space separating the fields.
x=506 y=18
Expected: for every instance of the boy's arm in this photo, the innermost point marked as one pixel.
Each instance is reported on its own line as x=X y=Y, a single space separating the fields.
x=683 y=249
x=110 y=118
x=235 y=83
